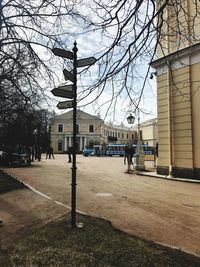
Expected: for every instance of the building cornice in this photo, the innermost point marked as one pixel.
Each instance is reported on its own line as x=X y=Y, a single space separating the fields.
x=179 y=56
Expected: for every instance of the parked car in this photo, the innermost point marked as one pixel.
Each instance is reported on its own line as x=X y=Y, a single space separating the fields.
x=15 y=159
x=89 y=152
x=96 y=150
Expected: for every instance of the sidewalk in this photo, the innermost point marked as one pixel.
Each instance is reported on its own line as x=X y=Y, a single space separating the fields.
x=154 y=174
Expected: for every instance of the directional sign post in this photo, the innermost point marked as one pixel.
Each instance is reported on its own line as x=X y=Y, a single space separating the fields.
x=86 y=62
x=70 y=91
x=65 y=104
x=68 y=75
x=64 y=91
x=62 y=53
x=73 y=196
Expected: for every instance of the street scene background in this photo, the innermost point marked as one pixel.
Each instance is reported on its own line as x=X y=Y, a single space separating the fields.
x=160 y=210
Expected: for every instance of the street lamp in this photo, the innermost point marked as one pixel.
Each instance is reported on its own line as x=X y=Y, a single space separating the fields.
x=139 y=153
x=130 y=119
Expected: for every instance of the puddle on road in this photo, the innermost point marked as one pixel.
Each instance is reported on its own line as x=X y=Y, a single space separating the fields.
x=103 y=194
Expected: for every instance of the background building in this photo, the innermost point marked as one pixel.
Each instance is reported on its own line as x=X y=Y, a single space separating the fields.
x=149 y=132
x=91 y=130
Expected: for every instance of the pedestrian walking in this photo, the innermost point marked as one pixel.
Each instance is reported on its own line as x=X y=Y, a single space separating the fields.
x=38 y=153
x=127 y=157
x=51 y=153
x=48 y=152
x=69 y=154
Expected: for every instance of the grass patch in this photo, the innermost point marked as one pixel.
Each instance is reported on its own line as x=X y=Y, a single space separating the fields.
x=8 y=183
x=98 y=243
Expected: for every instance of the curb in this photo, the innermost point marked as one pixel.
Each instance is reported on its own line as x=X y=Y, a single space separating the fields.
x=154 y=174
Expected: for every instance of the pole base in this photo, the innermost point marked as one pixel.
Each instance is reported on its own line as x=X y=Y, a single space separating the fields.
x=139 y=167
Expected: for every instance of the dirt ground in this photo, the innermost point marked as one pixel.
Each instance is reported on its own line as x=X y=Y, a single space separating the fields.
x=160 y=210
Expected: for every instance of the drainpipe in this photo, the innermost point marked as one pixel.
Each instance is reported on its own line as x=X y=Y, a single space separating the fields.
x=169 y=102
x=170 y=175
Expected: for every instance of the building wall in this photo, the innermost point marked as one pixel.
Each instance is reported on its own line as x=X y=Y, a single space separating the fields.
x=149 y=132
x=178 y=86
x=84 y=135
x=100 y=135
x=178 y=112
x=181 y=26
x=196 y=113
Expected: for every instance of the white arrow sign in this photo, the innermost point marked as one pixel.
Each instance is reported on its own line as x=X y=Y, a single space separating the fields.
x=63 y=91
x=86 y=62
x=65 y=104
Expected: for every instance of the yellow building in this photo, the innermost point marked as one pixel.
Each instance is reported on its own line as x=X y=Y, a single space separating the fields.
x=149 y=132
x=90 y=130
x=178 y=86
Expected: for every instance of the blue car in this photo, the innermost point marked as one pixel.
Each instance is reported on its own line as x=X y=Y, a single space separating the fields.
x=89 y=152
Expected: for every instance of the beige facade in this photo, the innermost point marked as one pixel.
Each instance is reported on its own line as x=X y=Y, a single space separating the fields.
x=149 y=132
x=90 y=130
x=178 y=83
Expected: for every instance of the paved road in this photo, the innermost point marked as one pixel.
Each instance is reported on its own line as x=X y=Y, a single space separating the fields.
x=160 y=210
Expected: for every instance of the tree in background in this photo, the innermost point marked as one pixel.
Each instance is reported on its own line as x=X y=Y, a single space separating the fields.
x=123 y=36
x=22 y=129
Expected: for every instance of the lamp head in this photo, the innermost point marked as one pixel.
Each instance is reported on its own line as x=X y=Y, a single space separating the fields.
x=152 y=74
x=130 y=119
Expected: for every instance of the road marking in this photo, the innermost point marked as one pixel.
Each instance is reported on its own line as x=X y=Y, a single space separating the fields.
x=50 y=198
x=61 y=204
x=38 y=192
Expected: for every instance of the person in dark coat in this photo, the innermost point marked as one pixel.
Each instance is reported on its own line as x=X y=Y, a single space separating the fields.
x=69 y=154
x=48 y=152
x=51 y=153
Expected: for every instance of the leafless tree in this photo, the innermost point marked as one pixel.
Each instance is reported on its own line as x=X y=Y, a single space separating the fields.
x=127 y=35
x=131 y=34
x=28 y=31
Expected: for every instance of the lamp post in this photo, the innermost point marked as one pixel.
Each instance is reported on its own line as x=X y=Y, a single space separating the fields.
x=139 y=153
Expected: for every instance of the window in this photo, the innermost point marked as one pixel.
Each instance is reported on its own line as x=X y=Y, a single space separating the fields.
x=127 y=136
x=60 y=145
x=122 y=136
x=91 y=128
x=60 y=128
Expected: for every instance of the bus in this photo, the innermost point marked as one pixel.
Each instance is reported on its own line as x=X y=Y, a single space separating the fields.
x=115 y=150
x=119 y=150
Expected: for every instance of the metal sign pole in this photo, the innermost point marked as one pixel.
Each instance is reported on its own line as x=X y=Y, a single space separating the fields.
x=70 y=91
x=73 y=193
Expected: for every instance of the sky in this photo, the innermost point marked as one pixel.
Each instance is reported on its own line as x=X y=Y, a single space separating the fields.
x=118 y=113
x=92 y=44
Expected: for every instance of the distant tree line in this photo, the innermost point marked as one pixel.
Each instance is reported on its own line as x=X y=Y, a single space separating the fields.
x=26 y=127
